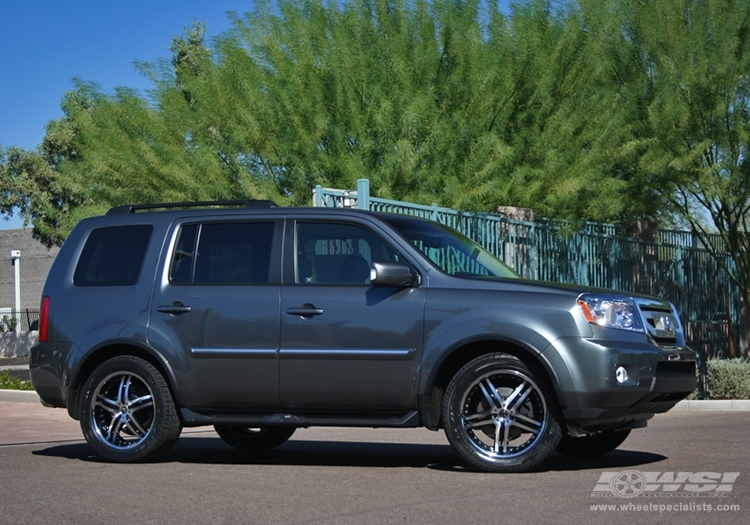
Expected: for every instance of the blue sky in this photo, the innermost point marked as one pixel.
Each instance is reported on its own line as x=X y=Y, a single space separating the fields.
x=44 y=44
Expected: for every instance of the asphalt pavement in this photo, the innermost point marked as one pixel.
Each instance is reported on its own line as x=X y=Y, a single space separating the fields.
x=49 y=474
x=344 y=476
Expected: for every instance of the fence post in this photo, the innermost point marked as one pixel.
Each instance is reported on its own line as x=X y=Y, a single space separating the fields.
x=363 y=194
x=318 y=196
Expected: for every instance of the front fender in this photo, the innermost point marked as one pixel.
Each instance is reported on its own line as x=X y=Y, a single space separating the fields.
x=532 y=324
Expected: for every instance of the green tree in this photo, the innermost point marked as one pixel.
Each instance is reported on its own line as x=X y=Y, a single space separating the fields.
x=437 y=101
x=552 y=121
x=686 y=66
x=32 y=186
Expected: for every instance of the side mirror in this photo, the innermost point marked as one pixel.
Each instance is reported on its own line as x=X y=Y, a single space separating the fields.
x=396 y=274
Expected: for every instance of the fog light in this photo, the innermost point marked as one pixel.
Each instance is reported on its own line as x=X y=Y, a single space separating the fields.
x=622 y=375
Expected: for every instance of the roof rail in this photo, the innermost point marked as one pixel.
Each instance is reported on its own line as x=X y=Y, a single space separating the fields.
x=132 y=208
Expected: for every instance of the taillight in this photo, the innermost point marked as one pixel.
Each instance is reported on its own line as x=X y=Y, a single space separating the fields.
x=43 y=318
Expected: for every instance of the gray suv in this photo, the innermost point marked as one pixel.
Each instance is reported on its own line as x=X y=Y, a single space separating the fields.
x=259 y=320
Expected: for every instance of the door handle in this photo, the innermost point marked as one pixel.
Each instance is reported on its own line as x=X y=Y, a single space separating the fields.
x=176 y=308
x=306 y=310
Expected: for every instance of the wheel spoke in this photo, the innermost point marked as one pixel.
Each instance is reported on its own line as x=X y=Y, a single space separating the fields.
x=114 y=429
x=110 y=405
x=502 y=437
x=479 y=419
x=140 y=403
x=533 y=422
x=124 y=388
x=534 y=430
x=491 y=394
x=523 y=390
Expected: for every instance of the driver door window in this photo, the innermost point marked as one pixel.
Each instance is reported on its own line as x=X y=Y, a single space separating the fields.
x=328 y=253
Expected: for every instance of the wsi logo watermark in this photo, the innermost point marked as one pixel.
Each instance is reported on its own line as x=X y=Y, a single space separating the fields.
x=632 y=483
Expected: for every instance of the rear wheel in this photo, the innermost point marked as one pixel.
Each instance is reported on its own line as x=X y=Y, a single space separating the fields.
x=127 y=411
x=499 y=417
x=252 y=439
x=592 y=445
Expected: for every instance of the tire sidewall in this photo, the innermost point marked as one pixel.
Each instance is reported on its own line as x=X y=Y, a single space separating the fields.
x=452 y=412
x=161 y=435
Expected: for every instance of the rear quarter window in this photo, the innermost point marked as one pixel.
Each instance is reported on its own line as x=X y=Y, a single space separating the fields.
x=113 y=256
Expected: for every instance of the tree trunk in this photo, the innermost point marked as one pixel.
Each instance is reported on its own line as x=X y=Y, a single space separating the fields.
x=744 y=349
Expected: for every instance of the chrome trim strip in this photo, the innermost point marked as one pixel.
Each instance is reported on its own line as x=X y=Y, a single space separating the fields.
x=234 y=352
x=398 y=354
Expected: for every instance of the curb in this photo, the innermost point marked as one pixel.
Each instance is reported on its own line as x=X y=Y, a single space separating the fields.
x=19 y=396
x=719 y=405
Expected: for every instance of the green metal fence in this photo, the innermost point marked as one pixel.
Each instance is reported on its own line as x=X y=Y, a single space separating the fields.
x=593 y=254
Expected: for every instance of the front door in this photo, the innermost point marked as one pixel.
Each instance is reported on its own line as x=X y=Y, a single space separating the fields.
x=346 y=345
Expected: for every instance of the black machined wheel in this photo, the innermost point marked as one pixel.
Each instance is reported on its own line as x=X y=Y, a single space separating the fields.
x=592 y=445
x=253 y=439
x=498 y=417
x=127 y=411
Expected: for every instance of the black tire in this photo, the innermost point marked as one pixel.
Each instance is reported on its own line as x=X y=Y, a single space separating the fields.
x=499 y=417
x=254 y=439
x=592 y=445
x=127 y=411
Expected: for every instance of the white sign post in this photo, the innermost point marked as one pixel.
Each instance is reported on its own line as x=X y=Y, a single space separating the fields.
x=15 y=256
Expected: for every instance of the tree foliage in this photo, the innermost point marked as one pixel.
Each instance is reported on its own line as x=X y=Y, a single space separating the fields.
x=610 y=110
x=684 y=66
x=31 y=183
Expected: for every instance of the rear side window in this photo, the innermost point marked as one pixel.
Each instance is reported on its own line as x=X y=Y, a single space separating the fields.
x=113 y=256
x=235 y=253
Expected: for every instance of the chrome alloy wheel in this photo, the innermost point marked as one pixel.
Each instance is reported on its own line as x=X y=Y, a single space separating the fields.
x=122 y=410
x=503 y=414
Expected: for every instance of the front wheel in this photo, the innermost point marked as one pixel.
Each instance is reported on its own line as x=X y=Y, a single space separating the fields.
x=127 y=411
x=499 y=417
x=592 y=445
x=253 y=439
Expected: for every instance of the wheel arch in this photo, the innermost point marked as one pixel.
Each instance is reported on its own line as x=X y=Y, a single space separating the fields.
x=107 y=351
x=431 y=402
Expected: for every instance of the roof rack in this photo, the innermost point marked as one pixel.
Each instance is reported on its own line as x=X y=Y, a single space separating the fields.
x=132 y=208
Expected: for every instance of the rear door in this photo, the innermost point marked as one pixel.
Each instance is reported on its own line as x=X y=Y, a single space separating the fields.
x=346 y=346
x=216 y=310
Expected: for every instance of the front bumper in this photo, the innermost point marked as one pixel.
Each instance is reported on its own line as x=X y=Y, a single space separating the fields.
x=606 y=384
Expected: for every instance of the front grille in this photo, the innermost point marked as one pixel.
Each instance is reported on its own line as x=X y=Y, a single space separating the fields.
x=660 y=321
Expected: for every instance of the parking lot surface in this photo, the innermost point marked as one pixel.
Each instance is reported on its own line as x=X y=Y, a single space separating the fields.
x=344 y=476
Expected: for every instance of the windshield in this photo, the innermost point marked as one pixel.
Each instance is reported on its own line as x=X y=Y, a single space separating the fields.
x=452 y=252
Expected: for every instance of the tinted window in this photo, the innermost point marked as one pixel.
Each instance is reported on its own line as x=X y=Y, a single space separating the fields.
x=113 y=256
x=228 y=253
x=330 y=253
x=452 y=252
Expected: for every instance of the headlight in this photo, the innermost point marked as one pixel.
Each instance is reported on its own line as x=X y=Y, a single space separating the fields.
x=611 y=311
